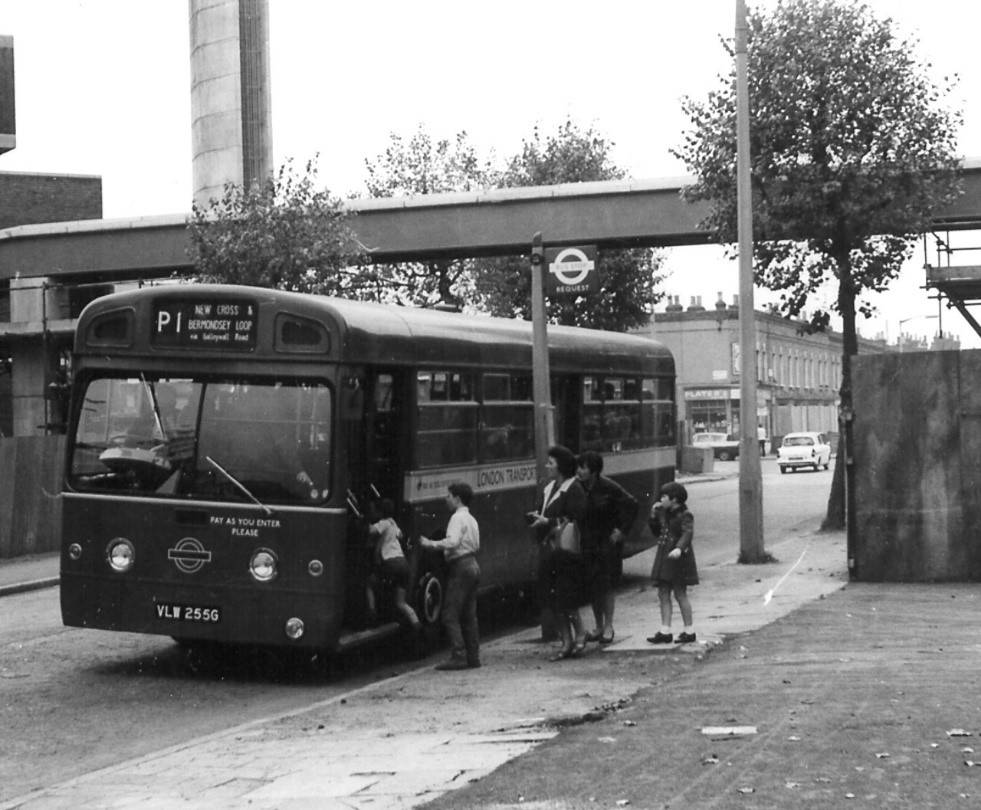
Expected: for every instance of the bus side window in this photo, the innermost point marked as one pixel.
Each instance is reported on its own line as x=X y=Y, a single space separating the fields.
x=507 y=417
x=658 y=412
x=591 y=437
x=447 y=431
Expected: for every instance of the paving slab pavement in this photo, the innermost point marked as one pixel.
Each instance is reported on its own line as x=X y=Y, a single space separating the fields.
x=463 y=725
x=868 y=697
x=28 y=573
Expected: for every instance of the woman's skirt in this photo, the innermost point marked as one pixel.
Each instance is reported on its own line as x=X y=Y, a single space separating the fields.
x=566 y=585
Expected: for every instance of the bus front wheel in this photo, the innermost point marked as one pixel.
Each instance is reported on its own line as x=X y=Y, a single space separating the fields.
x=430 y=600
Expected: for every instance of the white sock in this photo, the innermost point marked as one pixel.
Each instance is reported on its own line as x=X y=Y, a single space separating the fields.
x=666 y=630
x=689 y=630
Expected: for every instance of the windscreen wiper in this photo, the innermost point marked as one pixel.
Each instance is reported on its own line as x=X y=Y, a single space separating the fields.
x=238 y=483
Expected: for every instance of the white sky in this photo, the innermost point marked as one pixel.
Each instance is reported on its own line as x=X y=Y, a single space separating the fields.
x=103 y=88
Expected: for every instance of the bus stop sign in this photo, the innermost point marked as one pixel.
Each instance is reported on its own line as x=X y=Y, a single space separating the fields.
x=572 y=271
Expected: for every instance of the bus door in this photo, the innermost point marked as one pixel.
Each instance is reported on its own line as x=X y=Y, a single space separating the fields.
x=375 y=471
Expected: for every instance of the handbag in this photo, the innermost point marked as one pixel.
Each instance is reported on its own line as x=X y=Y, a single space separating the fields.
x=567 y=537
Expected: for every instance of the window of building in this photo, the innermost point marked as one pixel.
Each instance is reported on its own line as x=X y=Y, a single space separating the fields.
x=709 y=416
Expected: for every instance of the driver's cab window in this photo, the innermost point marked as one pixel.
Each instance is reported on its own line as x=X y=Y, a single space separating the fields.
x=134 y=414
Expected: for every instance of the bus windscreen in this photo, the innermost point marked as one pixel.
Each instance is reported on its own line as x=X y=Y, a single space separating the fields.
x=216 y=440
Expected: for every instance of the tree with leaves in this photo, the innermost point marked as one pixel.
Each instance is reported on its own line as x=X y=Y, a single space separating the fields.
x=628 y=278
x=423 y=165
x=852 y=152
x=284 y=233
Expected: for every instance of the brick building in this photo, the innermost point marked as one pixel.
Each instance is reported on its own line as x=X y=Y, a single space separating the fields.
x=31 y=198
x=799 y=374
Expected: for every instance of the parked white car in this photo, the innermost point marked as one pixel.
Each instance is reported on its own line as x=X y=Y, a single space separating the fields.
x=804 y=449
x=725 y=446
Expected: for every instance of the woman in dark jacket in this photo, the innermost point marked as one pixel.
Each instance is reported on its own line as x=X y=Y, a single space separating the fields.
x=610 y=512
x=563 y=502
x=674 y=562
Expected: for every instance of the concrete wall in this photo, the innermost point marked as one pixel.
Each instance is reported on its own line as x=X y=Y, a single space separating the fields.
x=30 y=509
x=918 y=466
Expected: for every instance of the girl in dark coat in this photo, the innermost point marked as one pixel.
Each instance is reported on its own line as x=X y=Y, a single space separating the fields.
x=674 y=562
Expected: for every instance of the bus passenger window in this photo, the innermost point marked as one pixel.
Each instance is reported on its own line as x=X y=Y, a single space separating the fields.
x=665 y=425
x=447 y=431
x=591 y=437
x=613 y=415
x=658 y=412
x=648 y=422
x=507 y=417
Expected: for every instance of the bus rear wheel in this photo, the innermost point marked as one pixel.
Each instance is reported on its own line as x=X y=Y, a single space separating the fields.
x=429 y=605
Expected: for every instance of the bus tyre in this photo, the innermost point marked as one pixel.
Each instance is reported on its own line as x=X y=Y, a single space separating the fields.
x=430 y=600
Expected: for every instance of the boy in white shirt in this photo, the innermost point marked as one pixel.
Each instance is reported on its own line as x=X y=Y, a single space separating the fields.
x=460 y=548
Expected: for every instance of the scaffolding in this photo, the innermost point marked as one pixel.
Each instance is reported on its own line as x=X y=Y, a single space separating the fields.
x=957 y=285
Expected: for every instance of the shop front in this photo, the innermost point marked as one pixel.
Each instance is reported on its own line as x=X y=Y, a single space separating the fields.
x=715 y=409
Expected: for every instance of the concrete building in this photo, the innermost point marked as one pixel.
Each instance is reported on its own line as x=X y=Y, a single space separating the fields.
x=231 y=139
x=799 y=374
x=28 y=198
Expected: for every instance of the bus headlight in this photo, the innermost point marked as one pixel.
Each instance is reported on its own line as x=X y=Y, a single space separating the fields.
x=263 y=565
x=294 y=628
x=75 y=551
x=121 y=554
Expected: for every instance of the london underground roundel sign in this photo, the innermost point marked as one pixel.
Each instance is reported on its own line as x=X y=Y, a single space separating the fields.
x=572 y=270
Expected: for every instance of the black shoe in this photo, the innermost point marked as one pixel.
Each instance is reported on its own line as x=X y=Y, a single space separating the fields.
x=452 y=664
x=473 y=664
x=607 y=639
x=594 y=635
x=661 y=638
x=686 y=638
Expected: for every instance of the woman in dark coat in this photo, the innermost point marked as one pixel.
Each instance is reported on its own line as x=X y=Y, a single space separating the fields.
x=563 y=501
x=610 y=512
x=674 y=562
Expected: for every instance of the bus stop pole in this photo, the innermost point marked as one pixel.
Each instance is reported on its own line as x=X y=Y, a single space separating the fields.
x=544 y=427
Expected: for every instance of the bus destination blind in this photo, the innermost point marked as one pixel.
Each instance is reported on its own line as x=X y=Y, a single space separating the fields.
x=204 y=324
